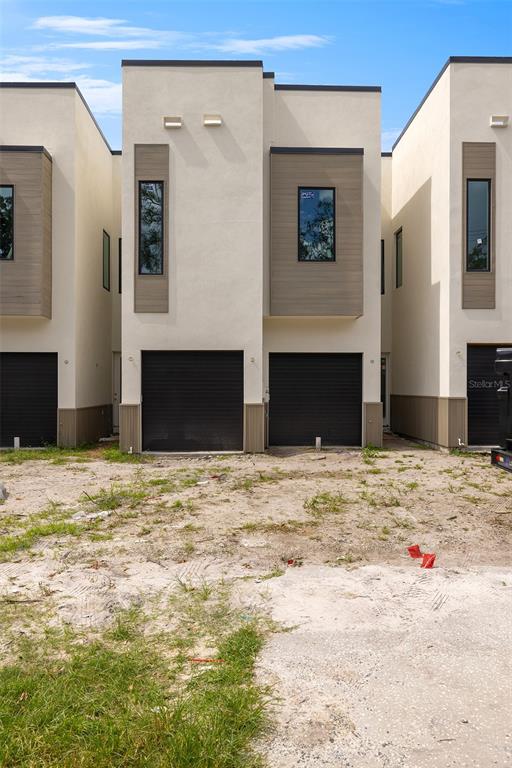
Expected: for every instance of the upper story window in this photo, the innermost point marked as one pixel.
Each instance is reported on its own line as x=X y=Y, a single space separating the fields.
x=316 y=224
x=399 y=266
x=478 y=220
x=106 y=260
x=382 y=269
x=7 y=222
x=151 y=227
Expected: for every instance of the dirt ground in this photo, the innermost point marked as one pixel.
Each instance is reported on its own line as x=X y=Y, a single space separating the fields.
x=383 y=664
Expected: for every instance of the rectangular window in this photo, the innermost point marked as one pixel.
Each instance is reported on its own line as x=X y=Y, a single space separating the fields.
x=119 y=263
x=316 y=224
x=382 y=270
x=398 y=258
x=478 y=225
x=151 y=227
x=106 y=261
x=7 y=222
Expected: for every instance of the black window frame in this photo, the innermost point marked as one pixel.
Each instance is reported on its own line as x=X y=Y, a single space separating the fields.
x=399 y=233
x=317 y=261
x=162 y=228
x=10 y=186
x=105 y=234
x=489 y=233
x=119 y=264
x=382 y=268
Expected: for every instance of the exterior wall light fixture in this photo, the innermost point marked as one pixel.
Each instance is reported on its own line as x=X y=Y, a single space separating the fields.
x=498 y=121
x=212 y=120
x=173 y=122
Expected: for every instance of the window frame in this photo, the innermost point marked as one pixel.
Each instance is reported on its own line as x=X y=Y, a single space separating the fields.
x=107 y=236
x=382 y=268
x=119 y=264
x=162 y=228
x=317 y=261
x=399 y=233
x=10 y=186
x=488 y=269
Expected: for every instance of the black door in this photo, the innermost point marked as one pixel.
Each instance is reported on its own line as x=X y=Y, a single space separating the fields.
x=28 y=398
x=192 y=401
x=315 y=395
x=483 y=416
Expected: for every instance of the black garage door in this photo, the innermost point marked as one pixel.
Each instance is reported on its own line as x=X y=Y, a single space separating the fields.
x=192 y=401
x=315 y=395
x=483 y=417
x=28 y=398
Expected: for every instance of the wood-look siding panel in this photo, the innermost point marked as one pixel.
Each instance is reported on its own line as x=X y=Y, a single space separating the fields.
x=479 y=288
x=373 y=424
x=79 y=426
x=316 y=288
x=26 y=281
x=152 y=291
x=437 y=420
x=254 y=427
x=130 y=428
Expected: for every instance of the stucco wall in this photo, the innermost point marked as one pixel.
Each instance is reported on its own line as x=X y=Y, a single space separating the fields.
x=337 y=119
x=116 y=218
x=215 y=215
x=477 y=92
x=421 y=206
x=45 y=116
x=387 y=236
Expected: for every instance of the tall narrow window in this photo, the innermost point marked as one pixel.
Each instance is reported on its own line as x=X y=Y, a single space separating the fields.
x=7 y=222
x=398 y=258
x=478 y=219
x=106 y=261
x=151 y=227
x=316 y=224
x=119 y=263
x=382 y=269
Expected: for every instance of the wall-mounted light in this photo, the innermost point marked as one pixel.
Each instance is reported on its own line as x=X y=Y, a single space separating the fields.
x=173 y=122
x=498 y=121
x=211 y=120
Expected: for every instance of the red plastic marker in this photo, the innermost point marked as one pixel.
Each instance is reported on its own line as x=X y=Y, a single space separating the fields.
x=415 y=551
x=428 y=561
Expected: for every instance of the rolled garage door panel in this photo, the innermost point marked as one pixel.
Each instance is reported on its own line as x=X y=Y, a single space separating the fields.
x=483 y=383
x=28 y=398
x=192 y=401
x=315 y=395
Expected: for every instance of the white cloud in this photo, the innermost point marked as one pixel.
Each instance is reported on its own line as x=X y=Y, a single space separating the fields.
x=86 y=26
x=13 y=66
x=109 y=45
x=270 y=44
x=388 y=139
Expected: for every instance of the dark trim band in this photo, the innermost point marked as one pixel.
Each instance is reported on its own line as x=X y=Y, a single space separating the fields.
x=117 y=151
x=453 y=60
x=190 y=63
x=24 y=148
x=269 y=75
x=316 y=151
x=363 y=88
x=386 y=154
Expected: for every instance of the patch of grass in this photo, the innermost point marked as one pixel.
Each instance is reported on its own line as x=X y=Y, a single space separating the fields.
x=49 y=453
x=273 y=574
x=371 y=452
x=32 y=534
x=108 y=499
x=325 y=504
x=117 y=456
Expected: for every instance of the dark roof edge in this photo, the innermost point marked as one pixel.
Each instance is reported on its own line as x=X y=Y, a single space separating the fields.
x=453 y=60
x=316 y=151
x=269 y=75
x=191 y=63
x=364 y=88
x=25 y=148
x=117 y=151
x=386 y=154
x=69 y=84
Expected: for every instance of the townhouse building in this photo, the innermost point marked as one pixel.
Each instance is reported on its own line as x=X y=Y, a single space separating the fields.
x=60 y=228
x=252 y=271
x=451 y=303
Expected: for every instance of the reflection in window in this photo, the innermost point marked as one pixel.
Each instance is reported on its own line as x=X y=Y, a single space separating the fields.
x=106 y=261
x=382 y=269
x=477 y=225
x=151 y=227
x=316 y=224
x=398 y=259
x=7 y=222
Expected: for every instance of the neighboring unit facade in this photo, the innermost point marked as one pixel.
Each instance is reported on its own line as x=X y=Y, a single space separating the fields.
x=60 y=205
x=251 y=222
x=448 y=232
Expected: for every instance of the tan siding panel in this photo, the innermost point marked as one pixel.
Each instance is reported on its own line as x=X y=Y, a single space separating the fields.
x=479 y=162
x=26 y=281
x=373 y=424
x=130 y=428
x=320 y=288
x=254 y=427
x=152 y=291
x=437 y=420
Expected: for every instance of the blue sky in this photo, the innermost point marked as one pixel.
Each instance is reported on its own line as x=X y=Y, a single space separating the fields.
x=400 y=44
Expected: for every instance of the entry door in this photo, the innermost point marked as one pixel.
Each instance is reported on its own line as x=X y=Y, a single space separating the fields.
x=116 y=390
x=315 y=395
x=483 y=384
